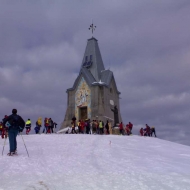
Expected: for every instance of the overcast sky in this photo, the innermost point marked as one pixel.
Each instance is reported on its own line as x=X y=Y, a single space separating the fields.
x=145 y=43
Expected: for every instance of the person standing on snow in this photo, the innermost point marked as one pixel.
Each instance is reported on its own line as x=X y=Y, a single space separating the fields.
x=107 y=127
x=87 y=126
x=73 y=128
x=110 y=128
x=38 y=125
x=37 y=129
x=128 y=130
x=141 y=132
x=1 y=129
x=5 y=129
x=101 y=127
x=55 y=124
x=28 y=126
x=121 y=128
x=16 y=124
x=45 y=125
x=74 y=121
x=130 y=127
x=147 y=130
x=152 y=130
x=51 y=124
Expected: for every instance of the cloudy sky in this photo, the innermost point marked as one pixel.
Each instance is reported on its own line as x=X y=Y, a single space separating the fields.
x=145 y=43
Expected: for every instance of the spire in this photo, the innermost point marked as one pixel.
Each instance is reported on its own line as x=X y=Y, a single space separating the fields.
x=92 y=59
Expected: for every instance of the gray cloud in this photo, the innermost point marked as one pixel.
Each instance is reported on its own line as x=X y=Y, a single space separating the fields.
x=145 y=43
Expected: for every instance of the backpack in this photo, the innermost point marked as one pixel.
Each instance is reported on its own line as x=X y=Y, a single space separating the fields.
x=15 y=122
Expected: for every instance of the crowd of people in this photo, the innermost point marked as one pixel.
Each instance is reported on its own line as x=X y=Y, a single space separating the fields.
x=148 y=131
x=88 y=127
x=13 y=124
x=98 y=127
x=49 y=126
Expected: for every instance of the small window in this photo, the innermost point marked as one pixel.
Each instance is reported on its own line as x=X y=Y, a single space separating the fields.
x=86 y=58
x=111 y=90
x=90 y=57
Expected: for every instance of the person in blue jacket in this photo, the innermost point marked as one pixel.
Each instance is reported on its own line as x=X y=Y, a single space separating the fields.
x=15 y=124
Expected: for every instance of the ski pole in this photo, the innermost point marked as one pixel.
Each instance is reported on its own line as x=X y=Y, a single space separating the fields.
x=4 y=146
x=24 y=144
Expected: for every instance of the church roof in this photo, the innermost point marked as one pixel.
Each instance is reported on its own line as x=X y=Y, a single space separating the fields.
x=92 y=67
x=92 y=58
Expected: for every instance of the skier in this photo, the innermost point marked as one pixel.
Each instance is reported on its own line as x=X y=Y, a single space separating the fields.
x=28 y=126
x=16 y=124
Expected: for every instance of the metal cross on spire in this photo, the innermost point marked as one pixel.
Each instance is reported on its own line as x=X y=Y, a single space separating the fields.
x=92 y=28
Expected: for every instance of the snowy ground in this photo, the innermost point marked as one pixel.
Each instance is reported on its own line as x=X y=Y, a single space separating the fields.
x=94 y=162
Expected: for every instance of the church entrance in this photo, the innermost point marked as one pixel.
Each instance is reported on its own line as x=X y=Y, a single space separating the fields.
x=83 y=113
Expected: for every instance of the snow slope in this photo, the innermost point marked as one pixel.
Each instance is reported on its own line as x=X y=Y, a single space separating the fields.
x=94 y=162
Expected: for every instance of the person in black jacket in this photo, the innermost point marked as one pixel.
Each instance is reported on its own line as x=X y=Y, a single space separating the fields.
x=74 y=121
x=152 y=131
x=15 y=124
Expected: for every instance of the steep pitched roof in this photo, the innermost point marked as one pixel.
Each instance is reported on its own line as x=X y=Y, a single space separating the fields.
x=92 y=59
x=92 y=68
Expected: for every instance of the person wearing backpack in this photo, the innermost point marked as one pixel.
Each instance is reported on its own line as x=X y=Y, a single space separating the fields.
x=28 y=126
x=15 y=125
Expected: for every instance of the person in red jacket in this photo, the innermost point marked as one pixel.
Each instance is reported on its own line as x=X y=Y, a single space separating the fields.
x=141 y=132
x=82 y=123
x=130 y=127
x=147 y=130
x=121 y=128
x=5 y=129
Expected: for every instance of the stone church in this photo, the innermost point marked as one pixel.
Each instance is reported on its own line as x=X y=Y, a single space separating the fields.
x=94 y=94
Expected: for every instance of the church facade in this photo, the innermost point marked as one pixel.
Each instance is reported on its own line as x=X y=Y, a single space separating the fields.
x=94 y=93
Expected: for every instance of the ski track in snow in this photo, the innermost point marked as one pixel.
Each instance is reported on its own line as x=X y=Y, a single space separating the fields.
x=91 y=162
